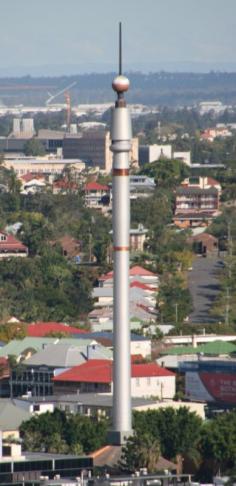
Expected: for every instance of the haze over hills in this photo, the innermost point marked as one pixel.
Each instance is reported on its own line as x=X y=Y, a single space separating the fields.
x=105 y=67
x=159 y=88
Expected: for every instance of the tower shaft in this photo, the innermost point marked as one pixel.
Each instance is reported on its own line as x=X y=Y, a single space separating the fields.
x=121 y=144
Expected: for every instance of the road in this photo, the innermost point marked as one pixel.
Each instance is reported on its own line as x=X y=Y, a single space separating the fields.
x=204 y=288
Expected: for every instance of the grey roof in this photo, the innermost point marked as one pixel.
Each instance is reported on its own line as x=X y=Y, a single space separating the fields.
x=17 y=347
x=102 y=292
x=90 y=399
x=50 y=134
x=109 y=335
x=11 y=416
x=136 y=295
x=196 y=191
x=58 y=355
x=195 y=214
x=65 y=355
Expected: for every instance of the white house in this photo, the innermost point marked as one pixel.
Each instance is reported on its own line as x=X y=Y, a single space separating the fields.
x=147 y=379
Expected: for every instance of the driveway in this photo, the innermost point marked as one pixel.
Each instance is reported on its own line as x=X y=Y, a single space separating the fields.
x=204 y=288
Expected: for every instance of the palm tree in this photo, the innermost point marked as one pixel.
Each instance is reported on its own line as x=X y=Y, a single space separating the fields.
x=141 y=452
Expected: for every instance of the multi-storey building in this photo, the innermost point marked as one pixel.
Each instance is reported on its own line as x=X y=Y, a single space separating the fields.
x=93 y=147
x=197 y=202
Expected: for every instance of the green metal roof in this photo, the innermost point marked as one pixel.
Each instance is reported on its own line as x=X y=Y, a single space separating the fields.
x=17 y=346
x=179 y=350
x=216 y=348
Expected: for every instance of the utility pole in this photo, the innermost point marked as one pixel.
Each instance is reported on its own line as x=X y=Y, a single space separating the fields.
x=176 y=312
x=227 y=306
x=230 y=249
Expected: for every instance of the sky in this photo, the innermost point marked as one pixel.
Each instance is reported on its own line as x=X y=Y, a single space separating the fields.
x=75 y=36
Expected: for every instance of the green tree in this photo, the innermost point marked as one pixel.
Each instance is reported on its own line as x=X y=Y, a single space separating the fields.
x=58 y=432
x=178 y=431
x=34 y=147
x=140 y=452
x=218 y=444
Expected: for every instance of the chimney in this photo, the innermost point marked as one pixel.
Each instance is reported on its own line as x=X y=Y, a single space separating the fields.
x=90 y=351
x=194 y=341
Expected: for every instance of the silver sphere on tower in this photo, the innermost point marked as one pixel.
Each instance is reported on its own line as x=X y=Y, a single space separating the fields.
x=120 y=84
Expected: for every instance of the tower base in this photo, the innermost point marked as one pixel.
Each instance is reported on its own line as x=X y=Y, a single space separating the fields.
x=118 y=437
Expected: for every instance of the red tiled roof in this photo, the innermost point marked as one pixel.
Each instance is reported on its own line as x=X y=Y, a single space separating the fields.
x=30 y=175
x=40 y=329
x=100 y=371
x=212 y=182
x=137 y=358
x=11 y=243
x=134 y=271
x=4 y=368
x=63 y=184
x=95 y=186
x=141 y=285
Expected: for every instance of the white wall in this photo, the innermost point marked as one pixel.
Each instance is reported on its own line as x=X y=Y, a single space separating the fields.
x=198 y=408
x=185 y=157
x=153 y=386
x=156 y=151
x=141 y=347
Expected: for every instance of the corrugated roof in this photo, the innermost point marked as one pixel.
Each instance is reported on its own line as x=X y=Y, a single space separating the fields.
x=11 y=416
x=134 y=271
x=215 y=347
x=95 y=186
x=196 y=190
x=64 y=355
x=100 y=371
x=39 y=329
x=142 y=286
x=11 y=242
x=109 y=335
x=218 y=348
x=17 y=347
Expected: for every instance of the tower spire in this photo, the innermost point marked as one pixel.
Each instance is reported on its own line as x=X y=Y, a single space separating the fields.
x=120 y=49
x=120 y=83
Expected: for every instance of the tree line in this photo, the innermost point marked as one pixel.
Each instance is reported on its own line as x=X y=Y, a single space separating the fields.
x=199 y=447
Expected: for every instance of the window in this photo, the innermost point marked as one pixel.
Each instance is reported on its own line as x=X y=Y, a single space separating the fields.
x=148 y=381
x=137 y=381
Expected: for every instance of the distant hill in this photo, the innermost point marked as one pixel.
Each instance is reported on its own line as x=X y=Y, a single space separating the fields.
x=162 y=88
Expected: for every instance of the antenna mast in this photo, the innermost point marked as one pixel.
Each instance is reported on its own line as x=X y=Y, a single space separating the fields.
x=120 y=48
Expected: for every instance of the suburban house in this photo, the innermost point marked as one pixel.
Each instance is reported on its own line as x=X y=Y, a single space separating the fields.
x=137 y=238
x=195 y=207
x=197 y=202
x=33 y=186
x=136 y=273
x=201 y=183
x=139 y=345
x=143 y=291
x=71 y=247
x=35 y=374
x=101 y=319
x=147 y=379
x=97 y=195
x=4 y=377
x=141 y=186
x=218 y=132
x=40 y=329
x=204 y=243
x=63 y=186
x=11 y=247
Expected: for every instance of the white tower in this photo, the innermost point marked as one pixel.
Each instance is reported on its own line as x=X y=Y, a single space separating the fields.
x=121 y=144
